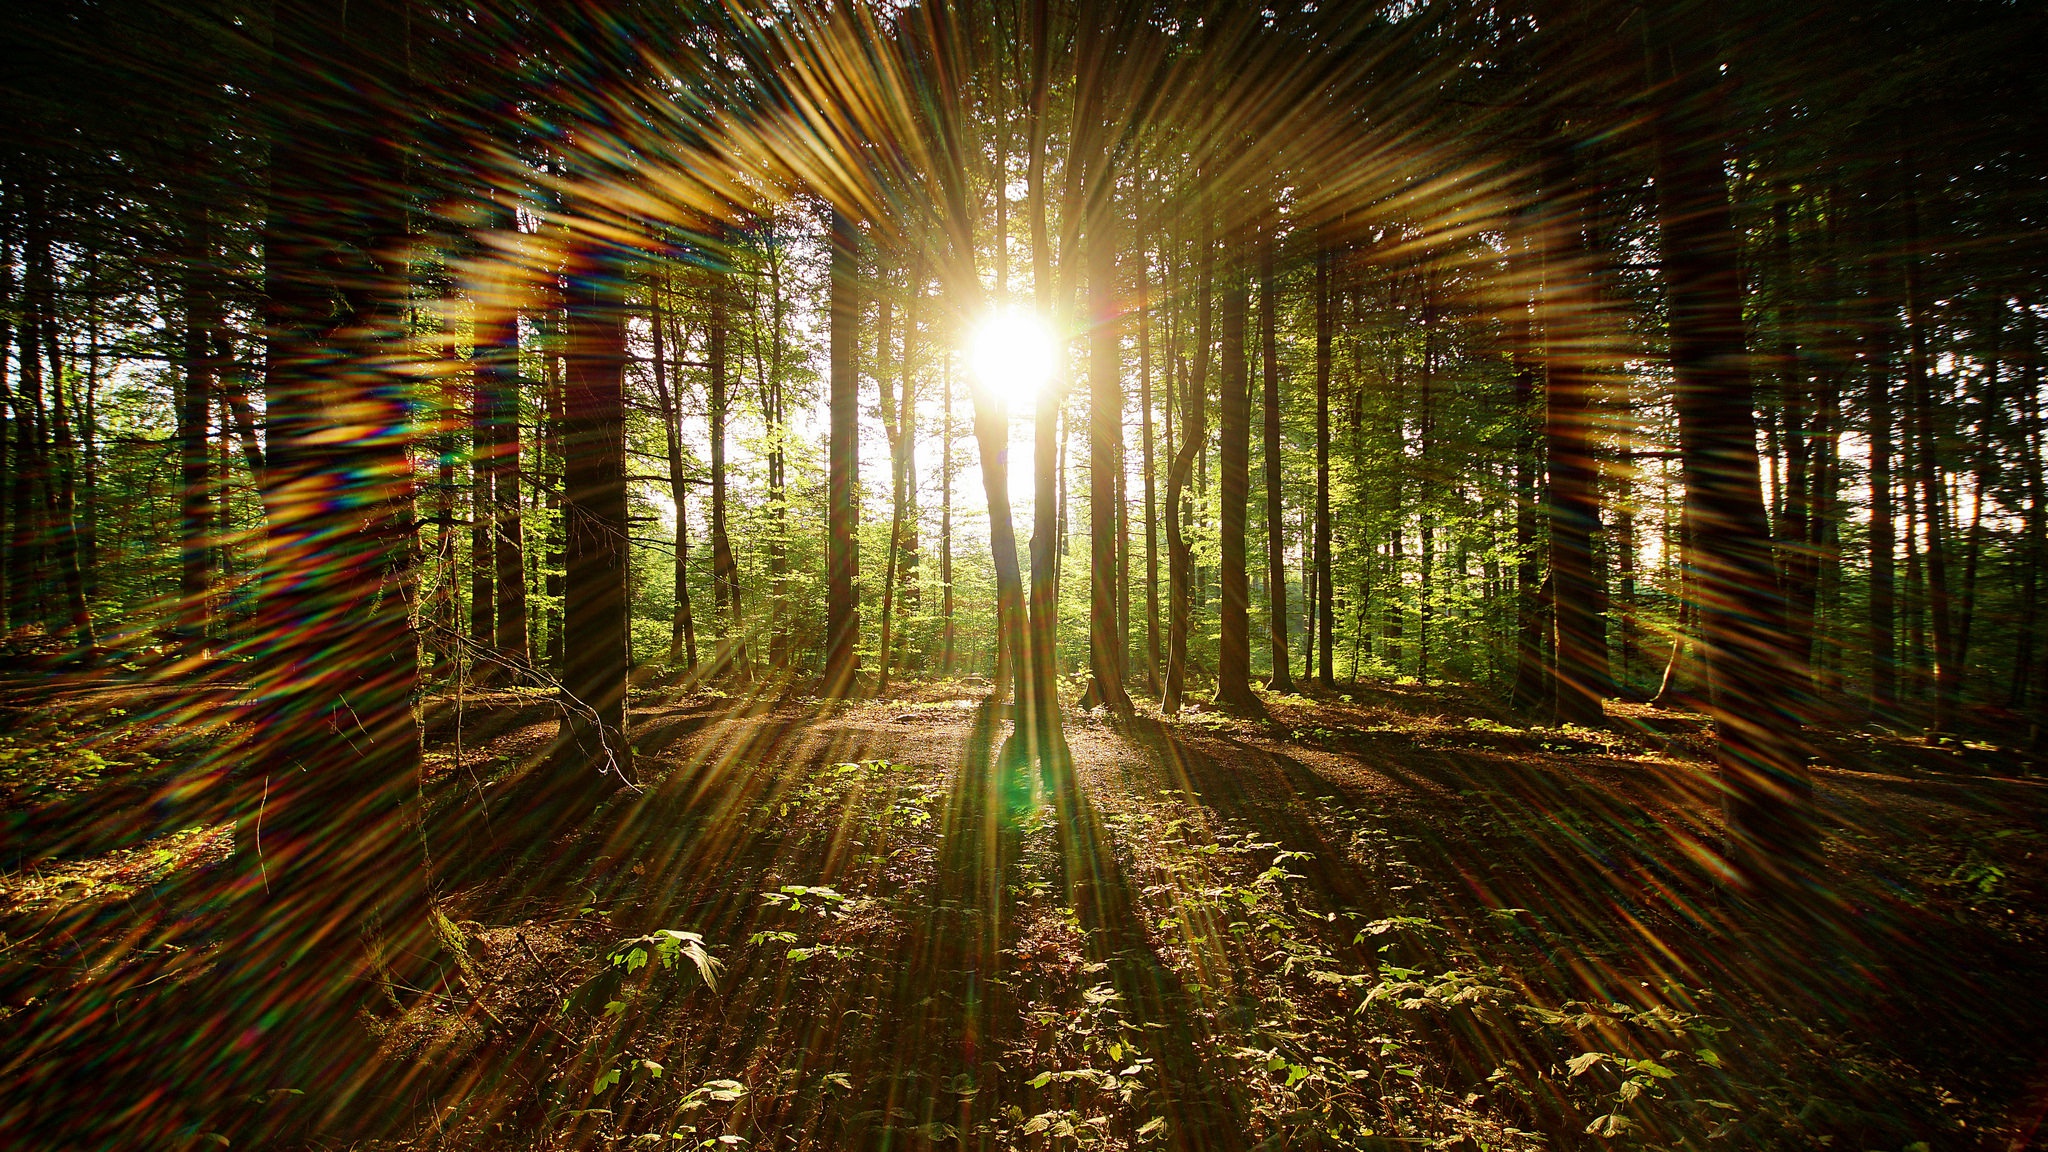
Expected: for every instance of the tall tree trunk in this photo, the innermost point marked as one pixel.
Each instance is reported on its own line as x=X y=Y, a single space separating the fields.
x=497 y=381
x=1795 y=396
x=946 y=635
x=1325 y=597
x=1153 y=662
x=1927 y=454
x=842 y=610
x=335 y=863
x=1193 y=433
x=483 y=561
x=1532 y=686
x=1233 y=478
x=1772 y=846
x=1276 y=532
x=195 y=568
x=10 y=415
x=1570 y=340
x=1877 y=407
x=2034 y=541
x=75 y=623
x=595 y=654
x=1105 y=460
x=682 y=639
x=725 y=572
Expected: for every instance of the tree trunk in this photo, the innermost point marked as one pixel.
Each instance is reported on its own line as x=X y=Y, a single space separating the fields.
x=725 y=572
x=842 y=610
x=497 y=381
x=1877 y=406
x=75 y=623
x=1276 y=532
x=682 y=637
x=1533 y=688
x=1233 y=478
x=1193 y=432
x=195 y=567
x=335 y=863
x=595 y=656
x=1326 y=608
x=1570 y=340
x=1772 y=846
x=1927 y=454
x=1105 y=460
x=1152 y=656
x=482 y=539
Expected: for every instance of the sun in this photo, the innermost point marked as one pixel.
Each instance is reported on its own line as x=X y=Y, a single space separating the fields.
x=1011 y=354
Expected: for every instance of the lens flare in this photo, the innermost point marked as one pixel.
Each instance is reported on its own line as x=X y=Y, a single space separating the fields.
x=1012 y=354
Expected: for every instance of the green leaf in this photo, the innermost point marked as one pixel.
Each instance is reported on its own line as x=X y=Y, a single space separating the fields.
x=605 y=1081
x=1040 y=1080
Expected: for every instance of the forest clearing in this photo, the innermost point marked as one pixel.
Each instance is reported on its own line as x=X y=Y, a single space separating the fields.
x=1384 y=922
x=1023 y=574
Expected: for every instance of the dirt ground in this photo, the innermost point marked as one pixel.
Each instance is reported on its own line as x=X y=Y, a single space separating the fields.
x=1386 y=918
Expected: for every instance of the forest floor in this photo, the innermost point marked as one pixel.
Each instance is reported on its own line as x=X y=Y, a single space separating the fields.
x=1392 y=918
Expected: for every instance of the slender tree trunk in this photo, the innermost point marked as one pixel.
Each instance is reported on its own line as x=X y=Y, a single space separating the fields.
x=1877 y=406
x=10 y=470
x=1326 y=607
x=1772 y=846
x=482 y=539
x=946 y=634
x=682 y=638
x=76 y=621
x=2034 y=542
x=1234 y=655
x=497 y=381
x=1276 y=532
x=1194 y=432
x=1927 y=454
x=1105 y=455
x=725 y=572
x=1570 y=340
x=842 y=610
x=1532 y=687
x=195 y=568
x=1153 y=662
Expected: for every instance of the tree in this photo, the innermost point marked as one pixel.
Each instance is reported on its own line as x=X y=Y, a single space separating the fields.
x=842 y=623
x=1767 y=792
x=1233 y=663
x=595 y=657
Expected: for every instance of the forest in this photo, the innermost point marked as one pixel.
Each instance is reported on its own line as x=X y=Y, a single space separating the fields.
x=1023 y=574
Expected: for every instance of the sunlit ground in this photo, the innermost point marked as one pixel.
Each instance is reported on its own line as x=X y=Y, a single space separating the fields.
x=1390 y=922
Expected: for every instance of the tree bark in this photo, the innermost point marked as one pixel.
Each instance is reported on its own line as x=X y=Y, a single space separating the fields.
x=1276 y=533
x=682 y=637
x=725 y=572
x=842 y=611
x=1927 y=455
x=595 y=656
x=1772 y=846
x=335 y=861
x=497 y=381
x=195 y=544
x=1193 y=433
x=1570 y=340
x=1233 y=478
x=1533 y=688
x=1326 y=596
x=1105 y=460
